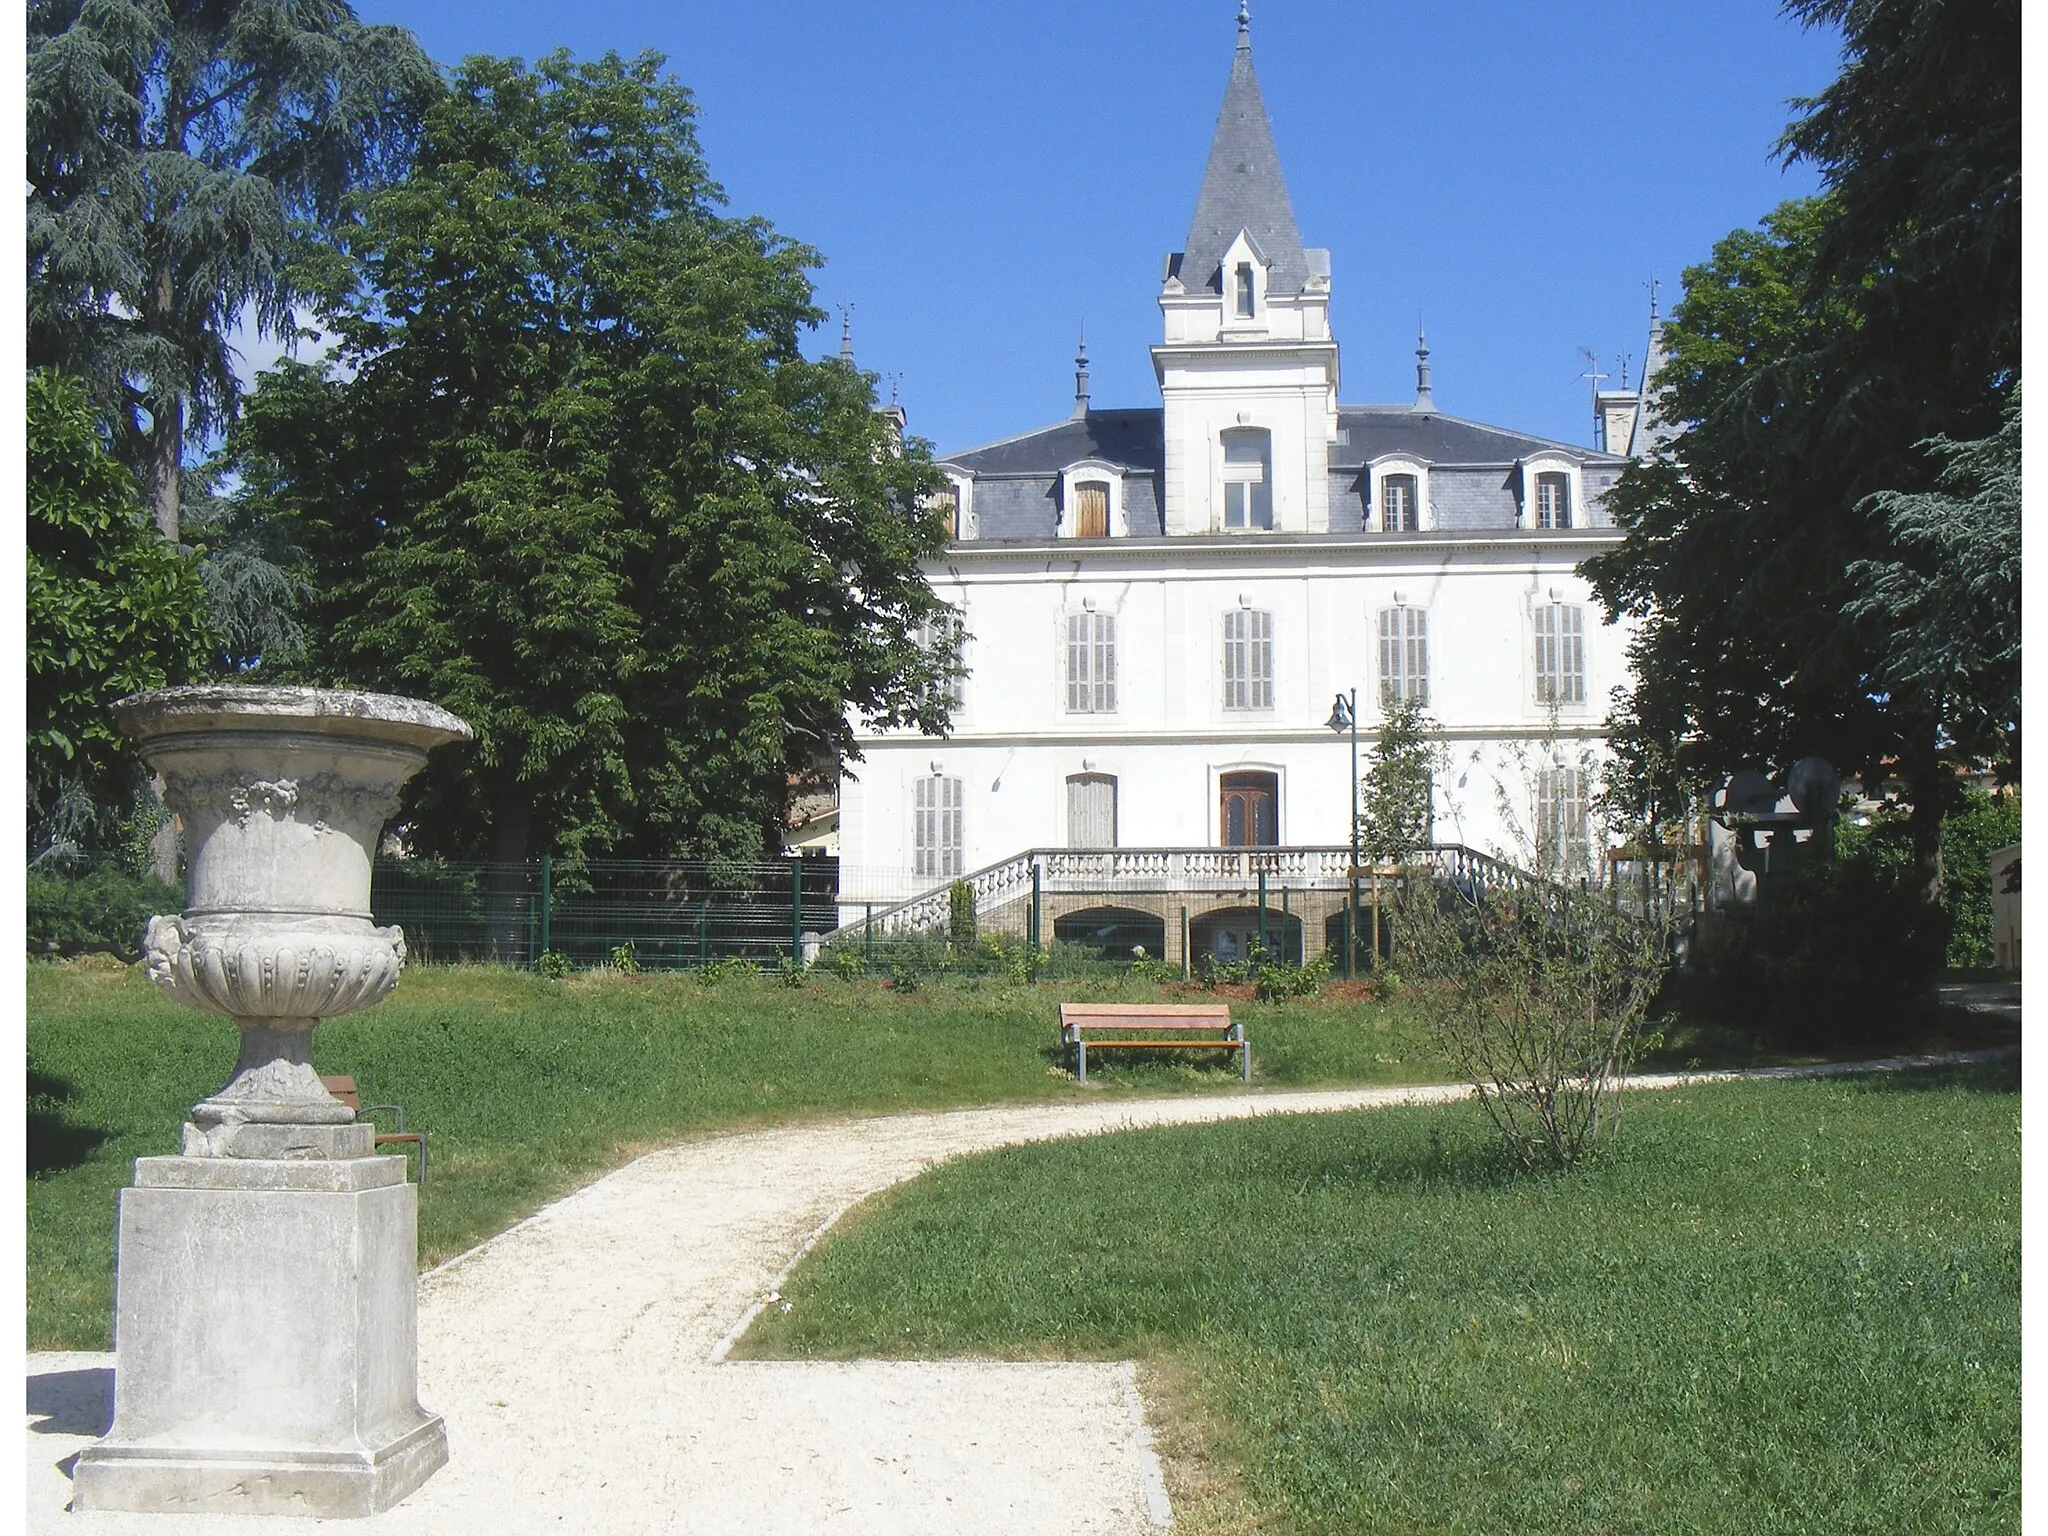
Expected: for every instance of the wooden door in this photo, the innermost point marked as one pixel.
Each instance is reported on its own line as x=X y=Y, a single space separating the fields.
x=1091 y=511
x=1250 y=812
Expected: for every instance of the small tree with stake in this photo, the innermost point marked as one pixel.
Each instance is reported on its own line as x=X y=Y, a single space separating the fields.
x=1395 y=796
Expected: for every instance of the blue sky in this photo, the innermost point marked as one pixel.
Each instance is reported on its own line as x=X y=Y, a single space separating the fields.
x=984 y=178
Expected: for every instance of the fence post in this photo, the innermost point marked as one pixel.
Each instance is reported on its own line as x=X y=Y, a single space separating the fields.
x=1186 y=965
x=703 y=934
x=1350 y=938
x=1286 y=922
x=867 y=938
x=1262 y=913
x=547 y=884
x=1037 y=910
x=796 y=910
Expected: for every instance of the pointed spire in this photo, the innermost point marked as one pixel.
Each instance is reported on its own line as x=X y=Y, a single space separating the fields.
x=1424 y=399
x=846 y=334
x=1242 y=188
x=1081 y=377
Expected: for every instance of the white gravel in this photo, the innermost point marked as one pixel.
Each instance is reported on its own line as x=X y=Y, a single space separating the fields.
x=578 y=1359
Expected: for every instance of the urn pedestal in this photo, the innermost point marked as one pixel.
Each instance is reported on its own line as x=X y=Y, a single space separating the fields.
x=265 y=1312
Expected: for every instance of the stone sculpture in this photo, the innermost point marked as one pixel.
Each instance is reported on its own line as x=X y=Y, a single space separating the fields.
x=265 y=1308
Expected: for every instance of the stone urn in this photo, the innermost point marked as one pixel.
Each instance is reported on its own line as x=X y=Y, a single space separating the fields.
x=284 y=794
x=266 y=1297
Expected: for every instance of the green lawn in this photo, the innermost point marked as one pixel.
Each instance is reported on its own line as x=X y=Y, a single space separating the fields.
x=1769 y=1307
x=530 y=1088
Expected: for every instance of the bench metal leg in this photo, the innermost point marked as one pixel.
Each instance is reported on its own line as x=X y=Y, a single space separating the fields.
x=1245 y=1049
x=1081 y=1056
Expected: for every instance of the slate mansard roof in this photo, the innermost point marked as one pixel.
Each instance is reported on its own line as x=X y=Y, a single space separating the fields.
x=1473 y=484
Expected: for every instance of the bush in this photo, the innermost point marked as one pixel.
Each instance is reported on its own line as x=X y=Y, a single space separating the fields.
x=1537 y=994
x=960 y=917
x=552 y=964
x=103 y=912
x=1276 y=981
x=623 y=958
x=1828 y=955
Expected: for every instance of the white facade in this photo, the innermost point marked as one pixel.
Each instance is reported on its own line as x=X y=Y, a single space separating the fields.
x=1159 y=603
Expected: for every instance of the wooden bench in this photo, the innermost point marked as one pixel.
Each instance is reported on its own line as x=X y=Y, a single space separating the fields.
x=344 y=1089
x=1154 y=1025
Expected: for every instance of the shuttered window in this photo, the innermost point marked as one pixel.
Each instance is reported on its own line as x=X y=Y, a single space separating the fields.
x=1560 y=654
x=1404 y=655
x=1091 y=811
x=1561 y=817
x=945 y=634
x=937 y=837
x=1091 y=663
x=1091 y=510
x=1247 y=659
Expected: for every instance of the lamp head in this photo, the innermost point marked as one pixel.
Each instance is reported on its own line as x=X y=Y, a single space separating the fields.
x=1340 y=714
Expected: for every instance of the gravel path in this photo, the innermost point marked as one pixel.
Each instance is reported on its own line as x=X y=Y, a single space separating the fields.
x=579 y=1360
x=573 y=1357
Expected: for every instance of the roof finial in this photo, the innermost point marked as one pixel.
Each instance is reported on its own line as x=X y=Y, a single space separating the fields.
x=846 y=333
x=1653 y=285
x=1081 y=375
x=1244 y=23
x=1425 y=400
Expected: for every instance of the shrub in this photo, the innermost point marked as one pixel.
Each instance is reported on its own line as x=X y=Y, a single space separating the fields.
x=730 y=968
x=1537 y=994
x=1276 y=982
x=552 y=964
x=103 y=912
x=960 y=918
x=622 y=958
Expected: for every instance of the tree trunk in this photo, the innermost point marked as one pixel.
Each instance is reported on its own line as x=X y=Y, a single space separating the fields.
x=508 y=896
x=166 y=461
x=1931 y=785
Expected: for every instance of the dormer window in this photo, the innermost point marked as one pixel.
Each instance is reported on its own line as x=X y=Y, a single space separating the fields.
x=1553 y=501
x=1246 y=292
x=1248 y=478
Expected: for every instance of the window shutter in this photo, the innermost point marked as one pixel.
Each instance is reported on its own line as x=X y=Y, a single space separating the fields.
x=1418 y=656
x=1572 y=657
x=1261 y=669
x=1105 y=676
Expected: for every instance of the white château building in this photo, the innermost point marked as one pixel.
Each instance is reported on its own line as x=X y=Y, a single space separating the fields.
x=1156 y=607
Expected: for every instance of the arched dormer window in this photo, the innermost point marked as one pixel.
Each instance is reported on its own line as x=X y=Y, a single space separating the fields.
x=1550 y=493
x=1400 y=496
x=1092 y=501
x=1247 y=478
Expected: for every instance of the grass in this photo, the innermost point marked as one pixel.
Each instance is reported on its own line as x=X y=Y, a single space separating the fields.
x=530 y=1088
x=1768 y=1307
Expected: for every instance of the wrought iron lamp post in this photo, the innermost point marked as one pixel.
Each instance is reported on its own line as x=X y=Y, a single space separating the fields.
x=1343 y=717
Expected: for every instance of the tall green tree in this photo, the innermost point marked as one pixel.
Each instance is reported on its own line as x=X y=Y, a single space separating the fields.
x=180 y=153
x=571 y=475
x=112 y=609
x=1816 y=365
x=1948 y=596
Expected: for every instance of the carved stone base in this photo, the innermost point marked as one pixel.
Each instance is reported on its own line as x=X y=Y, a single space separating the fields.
x=265 y=1341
